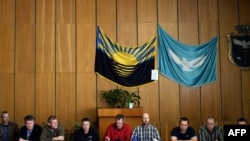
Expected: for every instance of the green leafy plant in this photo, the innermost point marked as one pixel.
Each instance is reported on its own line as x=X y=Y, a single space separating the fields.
x=132 y=97
x=113 y=97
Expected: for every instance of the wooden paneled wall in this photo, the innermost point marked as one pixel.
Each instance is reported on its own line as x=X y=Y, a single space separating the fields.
x=47 y=57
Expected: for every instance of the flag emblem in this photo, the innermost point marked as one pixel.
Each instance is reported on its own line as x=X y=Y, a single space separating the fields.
x=187 y=65
x=126 y=66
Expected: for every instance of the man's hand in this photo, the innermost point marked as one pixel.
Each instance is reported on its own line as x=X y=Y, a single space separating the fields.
x=58 y=138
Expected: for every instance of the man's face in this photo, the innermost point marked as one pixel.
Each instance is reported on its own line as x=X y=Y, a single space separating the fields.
x=30 y=124
x=86 y=126
x=5 y=118
x=242 y=122
x=53 y=124
x=119 y=123
x=145 y=119
x=183 y=126
x=210 y=124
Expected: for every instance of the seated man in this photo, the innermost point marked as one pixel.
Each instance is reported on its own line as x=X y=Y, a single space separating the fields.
x=52 y=131
x=183 y=131
x=241 y=121
x=145 y=131
x=118 y=131
x=30 y=131
x=9 y=131
x=86 y=132
x=210 y=131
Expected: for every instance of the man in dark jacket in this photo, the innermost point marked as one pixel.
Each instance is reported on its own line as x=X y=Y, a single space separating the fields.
x=53 y=130
x=86 y=132
x=9 y=131
x=30 y=131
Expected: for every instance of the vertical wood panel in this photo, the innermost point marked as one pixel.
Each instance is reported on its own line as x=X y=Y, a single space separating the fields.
x=244 y=18
x=7 y=30
x=7 y=12
x=244 y=15
x=86 y=11
x=7 y=48
x=86 y=78
x=188 y=31
x=126 y=23
x=7 y=37
x=7 y=94
x=45 y=48
x=86 y=35
x=25 y=59
x=45 y=96
x=147 y=28
x=230 y=74
x=246 y=95
x=24 y=95
x=65 y=48
x=106 y=19
x=65 y=62
x=86 y=38
x=66 y=99
x=208 y=25
x=45 y=11
x=86 y=96
x=25 y=48
x=45 y=60
x=25 y=12
x=168 y=89
x=65 y=11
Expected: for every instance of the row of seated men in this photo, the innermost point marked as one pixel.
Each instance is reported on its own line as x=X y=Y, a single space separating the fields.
x=117 y=131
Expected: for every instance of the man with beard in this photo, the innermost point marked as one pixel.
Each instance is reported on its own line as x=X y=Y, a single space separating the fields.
x=9 y=131
x=183 y=131
x=145 y=131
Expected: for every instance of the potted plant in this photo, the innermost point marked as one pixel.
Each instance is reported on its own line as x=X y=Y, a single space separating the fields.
x=132 y=99
x=113 y=97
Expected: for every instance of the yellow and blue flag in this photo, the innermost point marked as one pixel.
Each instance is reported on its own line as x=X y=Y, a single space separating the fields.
x=187 y=65
x=122 y=65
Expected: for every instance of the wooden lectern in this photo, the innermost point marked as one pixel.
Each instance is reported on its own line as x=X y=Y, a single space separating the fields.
x=106 y=116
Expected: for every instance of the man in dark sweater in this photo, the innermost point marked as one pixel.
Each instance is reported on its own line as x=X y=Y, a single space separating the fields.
x=86 y=132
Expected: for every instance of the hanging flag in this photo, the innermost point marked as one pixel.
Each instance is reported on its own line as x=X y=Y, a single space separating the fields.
x=185 y=64
x=126 y=66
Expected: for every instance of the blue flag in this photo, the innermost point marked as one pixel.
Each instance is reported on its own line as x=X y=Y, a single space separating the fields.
x=187 y=65
x=125 y=66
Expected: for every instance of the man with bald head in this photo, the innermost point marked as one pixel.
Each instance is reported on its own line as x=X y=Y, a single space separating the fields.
x=145 y=131
x=210 y=131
